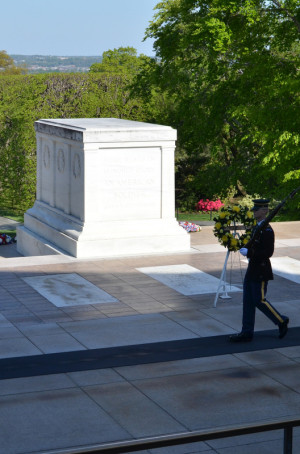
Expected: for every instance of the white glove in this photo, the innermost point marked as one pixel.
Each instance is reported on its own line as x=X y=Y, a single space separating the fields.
x=244 y=251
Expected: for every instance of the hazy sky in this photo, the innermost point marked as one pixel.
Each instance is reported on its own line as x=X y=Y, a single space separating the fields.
x=74 y=27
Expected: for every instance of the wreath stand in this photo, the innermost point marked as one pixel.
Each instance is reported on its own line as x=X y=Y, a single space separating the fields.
x=223 y=283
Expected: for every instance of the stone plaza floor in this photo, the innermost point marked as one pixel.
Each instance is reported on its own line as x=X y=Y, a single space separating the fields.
x=95 y=351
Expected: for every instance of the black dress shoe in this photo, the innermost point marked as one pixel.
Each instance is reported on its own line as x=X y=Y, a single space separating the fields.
x=241 y=337
x=283 y=328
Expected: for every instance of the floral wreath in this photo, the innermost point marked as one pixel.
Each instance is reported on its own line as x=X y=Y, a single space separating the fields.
x=231 y=216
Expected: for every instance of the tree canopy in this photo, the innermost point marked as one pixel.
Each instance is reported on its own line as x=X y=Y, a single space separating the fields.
x=231 y=72
x=7 y=65
x=123 y=61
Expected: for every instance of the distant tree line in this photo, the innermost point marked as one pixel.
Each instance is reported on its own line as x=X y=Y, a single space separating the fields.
x=38 y=64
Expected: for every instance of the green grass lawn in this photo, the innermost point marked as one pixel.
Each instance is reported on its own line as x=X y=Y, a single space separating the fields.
x=194 y=216
x=11 y=214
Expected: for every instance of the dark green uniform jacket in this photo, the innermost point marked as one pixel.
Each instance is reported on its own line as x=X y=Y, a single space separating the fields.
x=259 y=268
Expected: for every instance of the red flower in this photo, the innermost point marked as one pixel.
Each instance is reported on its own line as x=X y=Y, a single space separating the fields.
x=209 y=205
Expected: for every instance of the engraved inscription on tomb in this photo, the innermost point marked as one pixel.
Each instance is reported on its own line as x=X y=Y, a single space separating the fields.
x=131 y=181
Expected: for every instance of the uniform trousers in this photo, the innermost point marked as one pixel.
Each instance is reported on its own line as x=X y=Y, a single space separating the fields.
x=254 y=295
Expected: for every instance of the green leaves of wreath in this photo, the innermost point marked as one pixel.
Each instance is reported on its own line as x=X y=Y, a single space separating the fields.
x=233 y=216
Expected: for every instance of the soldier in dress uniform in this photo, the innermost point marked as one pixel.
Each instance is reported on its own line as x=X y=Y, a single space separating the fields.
x=258 y=273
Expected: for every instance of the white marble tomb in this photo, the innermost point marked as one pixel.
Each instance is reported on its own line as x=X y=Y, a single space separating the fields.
x=105 y=188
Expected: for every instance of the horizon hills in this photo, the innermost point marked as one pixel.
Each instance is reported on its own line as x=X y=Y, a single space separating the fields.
x=37 y=64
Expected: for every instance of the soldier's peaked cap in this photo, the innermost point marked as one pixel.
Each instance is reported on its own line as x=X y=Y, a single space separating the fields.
x=260 y=203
